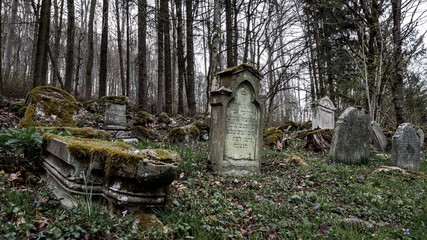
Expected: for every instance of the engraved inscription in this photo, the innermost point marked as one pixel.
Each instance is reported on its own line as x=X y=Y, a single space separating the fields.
x=241 y=127
x=115 y=114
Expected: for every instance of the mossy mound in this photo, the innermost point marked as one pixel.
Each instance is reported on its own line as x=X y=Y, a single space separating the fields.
x=21 y=112
x=164 y=118
x=16 y=106
x=84 y=132
x=49 y=106
x=144 y=133
x=201 y=126
x=142 y=118
x=271 y=136
x=91 y=106
x=181 y=134
x=289 y=126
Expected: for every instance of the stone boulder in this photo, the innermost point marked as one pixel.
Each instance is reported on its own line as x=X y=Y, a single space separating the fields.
x=351 y=141
x=186 y=136
x=405 y=147
x=50 y=107
x=378 y=138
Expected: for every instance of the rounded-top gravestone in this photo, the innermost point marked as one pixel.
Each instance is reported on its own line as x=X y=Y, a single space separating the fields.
x=351 y=141
x=405 y=147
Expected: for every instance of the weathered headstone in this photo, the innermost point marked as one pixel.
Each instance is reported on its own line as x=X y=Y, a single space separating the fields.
x=115 y=116
x=49 y=107
x=421 y=134
x=351 y=141
x=235 y=139
x=323 y=113
x=405 y=146
x=378 y=138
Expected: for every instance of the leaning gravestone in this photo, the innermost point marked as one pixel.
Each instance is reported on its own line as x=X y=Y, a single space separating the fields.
x=235 y=139
x=323 y=114
x=351 y=141
x=49 y=107
x=378 y=138
x=405 y=146
x=115 y=116
x=421 y=134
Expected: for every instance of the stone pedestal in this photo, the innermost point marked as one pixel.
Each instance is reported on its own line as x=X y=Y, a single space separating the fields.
x=405 y=146
x=235 y=141
x=323 y=111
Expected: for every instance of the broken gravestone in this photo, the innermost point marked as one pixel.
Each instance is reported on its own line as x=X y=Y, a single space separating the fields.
x=115 y=116
x=235 y=139
x=378 y=138
x=351 y=141
x=115 y=173
x=405 y=147
x=421 y=134
x=323 y=113
x=49 y=107
x=185 y=136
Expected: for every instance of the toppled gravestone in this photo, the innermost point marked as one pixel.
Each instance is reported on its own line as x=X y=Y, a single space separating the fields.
x=119 y=175
x=49 y=107
x=351 y=141
x=405 y=147
x=235 y=140
x=115 y=116
x=378 y=138
x=323 y=113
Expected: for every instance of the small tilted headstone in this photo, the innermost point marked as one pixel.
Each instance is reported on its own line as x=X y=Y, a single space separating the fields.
x=351 y=142
x=421 y=134
x=406 y=147
x=378 y=138
x=235 y=139
x=323 y=114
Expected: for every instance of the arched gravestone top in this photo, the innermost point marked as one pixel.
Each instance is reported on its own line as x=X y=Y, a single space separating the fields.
x=325 y=102
x=49 y=107
x=236 y=122
x=405 y=147
x=323 y=113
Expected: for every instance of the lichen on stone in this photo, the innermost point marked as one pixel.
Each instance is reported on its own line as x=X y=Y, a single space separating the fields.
x=86 y=132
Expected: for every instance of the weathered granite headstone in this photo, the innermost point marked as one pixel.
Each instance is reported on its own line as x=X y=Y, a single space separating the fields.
x=323 y=113
x=421 y=134
x=405 y=147
x=115 y=116
x=378 y=138
x=235 y=139
x=49 y=107
x=351 y=142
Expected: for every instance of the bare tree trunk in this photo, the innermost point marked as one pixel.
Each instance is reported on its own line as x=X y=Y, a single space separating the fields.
x=142 y=60
x=229 y=33
x=69 y=69
x=168 y=67
x=127 y=51
x=190 y=60
x=89 y=65
x=1 y=70
x=58 y=26
x=181 y=59
x=398 y=85
x=119 y=44
x=9 y=39
x=160 y=59
x=104 y=49
x=41 y=61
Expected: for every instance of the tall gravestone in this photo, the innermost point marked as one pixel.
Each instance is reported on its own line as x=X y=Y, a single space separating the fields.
x=378 y=138
x=235 y=139
x=405 y=146
x=351 y=142
x=323 y=111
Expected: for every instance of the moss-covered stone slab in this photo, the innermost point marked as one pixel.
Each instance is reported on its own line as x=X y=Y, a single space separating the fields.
x=49 y=106
x=115 y=171
x=187 y=135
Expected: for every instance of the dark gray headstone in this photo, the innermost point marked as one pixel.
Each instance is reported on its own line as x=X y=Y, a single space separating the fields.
x=406 y=147
x=351 y=141
x=378 y=138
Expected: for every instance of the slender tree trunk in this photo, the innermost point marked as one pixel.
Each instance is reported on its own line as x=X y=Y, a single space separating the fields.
x=168 y=66
x=398 y=85
x=41 y=61
x=1 y=70
x=160 y=59
x=235 y=32
x=104 y=51
x=248 y=32
x=9 y=39
x=229 y=32
x=69 y=69
x=142 y=60
x=120 y=46
x=190 y=60
x=89 y=65
x=127 y=50
x=181 y=59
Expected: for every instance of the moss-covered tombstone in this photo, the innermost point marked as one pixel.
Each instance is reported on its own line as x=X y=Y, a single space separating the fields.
x=186 y=136
x=115 y=116
x=50 y=107
x=119 y=174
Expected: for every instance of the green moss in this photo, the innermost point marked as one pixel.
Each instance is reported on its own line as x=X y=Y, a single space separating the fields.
x=177 y=133
x=307 y=125
x=145 y=132
x=51 y=101
x=294 y=126
x=201 y=125
x=114 y=99
x=164 y=118
x=272 y=135
x=16 y=106
x=192 y=129
x=85 y=132
x=326 y=132
x=21 y=112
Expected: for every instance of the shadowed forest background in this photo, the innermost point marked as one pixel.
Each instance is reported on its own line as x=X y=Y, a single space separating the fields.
x=165 y=54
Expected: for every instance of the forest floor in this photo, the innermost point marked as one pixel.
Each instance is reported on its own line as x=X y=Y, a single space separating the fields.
x=309 y=199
